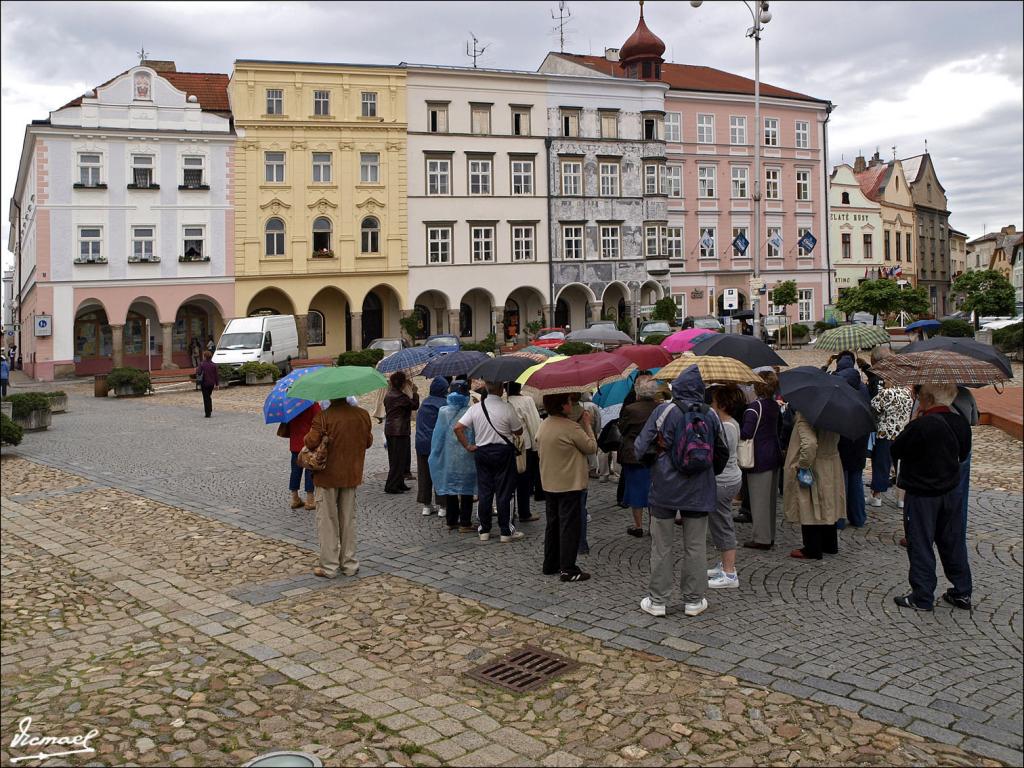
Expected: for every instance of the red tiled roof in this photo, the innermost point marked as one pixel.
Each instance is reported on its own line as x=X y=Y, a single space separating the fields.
x=871 y=181
x=210 y=88
x=688 y=77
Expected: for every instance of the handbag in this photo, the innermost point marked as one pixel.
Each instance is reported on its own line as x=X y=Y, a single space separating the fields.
x=610 y=439
x=745 y=448
x=283 y=430
x=805 y=477
x=315 y=460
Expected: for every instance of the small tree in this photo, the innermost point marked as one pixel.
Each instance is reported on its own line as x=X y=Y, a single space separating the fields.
x=877 y=297
x=985 y=292
x=914 y=301
x=665 y=310
x=783 y=295
x=412 y=326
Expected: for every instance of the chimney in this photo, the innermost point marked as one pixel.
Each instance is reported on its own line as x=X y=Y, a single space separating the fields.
x=612 y=54
x=1010 y=229
x=859 y=165
x=876 y=159
x=160 y=66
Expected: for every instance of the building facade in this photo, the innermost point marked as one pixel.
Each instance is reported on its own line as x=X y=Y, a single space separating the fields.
x=478 y=206
x=957 y=253
x=855 y=229
x=122 y=224
x=320 y=228
x=886 y=184
x=931 y=215
x=1017 y=273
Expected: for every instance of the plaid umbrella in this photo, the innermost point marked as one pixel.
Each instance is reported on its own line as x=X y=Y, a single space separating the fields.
x=937 y=367
x=411 y=360
x=713 y=369
x=644 y=355
x=683 y=341
x=455 y=364
x=851 y=337
x=579 y=373
x=984 y=352
x=278 y=408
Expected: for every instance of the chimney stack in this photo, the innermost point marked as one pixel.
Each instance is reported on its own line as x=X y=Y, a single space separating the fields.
x=612 y=54
x=876 y=159
x=859 y=166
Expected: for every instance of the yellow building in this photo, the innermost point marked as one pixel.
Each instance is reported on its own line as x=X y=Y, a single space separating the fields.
x=320 y=199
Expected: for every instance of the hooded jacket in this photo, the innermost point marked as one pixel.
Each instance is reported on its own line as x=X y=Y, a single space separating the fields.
x=452 y=467
x=426 y=416
x=853 y=453
x=693 y=495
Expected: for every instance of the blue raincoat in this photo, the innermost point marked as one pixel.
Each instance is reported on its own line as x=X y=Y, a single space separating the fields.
x=426 y=415
x=452 y=468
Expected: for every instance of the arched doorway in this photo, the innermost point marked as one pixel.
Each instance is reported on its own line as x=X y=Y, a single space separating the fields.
x=480 y=303
x=524 y=306
x=422 y=314
x=381 y=312
x=465 y=320
x=431 y=308
x=191 y=323
x=373 y=318
x=327 y=323
x=512 y=322
x=270 y=301
x=571 y=306
x=614 y=302
x=142 y=339
x=94 y=346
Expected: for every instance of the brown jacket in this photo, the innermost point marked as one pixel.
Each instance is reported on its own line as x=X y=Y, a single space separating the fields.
x=825 y=501
x=398 y=408
x=351 y=434
x=563 y=446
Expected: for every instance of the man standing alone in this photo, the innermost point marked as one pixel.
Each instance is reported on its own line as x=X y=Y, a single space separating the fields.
x=209 y=380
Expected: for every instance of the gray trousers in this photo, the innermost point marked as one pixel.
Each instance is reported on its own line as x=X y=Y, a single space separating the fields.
x=723 y=530
x=693 y=580
x=764 y=490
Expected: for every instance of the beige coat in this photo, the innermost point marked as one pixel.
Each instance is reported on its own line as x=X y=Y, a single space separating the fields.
x=825 y=501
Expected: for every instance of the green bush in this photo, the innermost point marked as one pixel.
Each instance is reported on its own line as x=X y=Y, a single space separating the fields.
x=799 y=331
x=364 y=357
x=1009 y=339
x=655 y=338
x=958 y=328
x=570 y=348
x=823 y=325
x=10 y=433
x=56 y=393
x=23 y=404
x=227 y=373
x=135 y=378
x=258 y=369
x=488 y=344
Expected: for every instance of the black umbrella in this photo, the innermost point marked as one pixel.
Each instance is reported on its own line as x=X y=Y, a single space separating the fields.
x=454 y=364
x=984 y=352
x=507 y=368
x=746 y=349
x=828 y=402
x=743 y=314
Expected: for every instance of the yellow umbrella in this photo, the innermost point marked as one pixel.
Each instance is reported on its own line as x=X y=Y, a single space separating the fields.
x=529 y=371
x=718 y=370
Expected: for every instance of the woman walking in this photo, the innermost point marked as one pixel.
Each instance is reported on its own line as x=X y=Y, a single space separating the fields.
x=298 y=428
x=728 y=402
x=761 y=424
x=636 y=475
x=564 y=446
x=398 y=408
x=452 y=468
x=816 y=506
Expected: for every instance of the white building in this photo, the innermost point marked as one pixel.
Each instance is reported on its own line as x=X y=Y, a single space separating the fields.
x=855 y=231
x=122 y=220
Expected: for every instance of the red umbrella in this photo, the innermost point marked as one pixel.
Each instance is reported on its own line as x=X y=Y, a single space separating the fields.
x=580 y=372
x=645 y=355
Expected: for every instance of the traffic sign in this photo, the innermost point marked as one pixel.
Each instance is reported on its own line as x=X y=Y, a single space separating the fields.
x=44 y=325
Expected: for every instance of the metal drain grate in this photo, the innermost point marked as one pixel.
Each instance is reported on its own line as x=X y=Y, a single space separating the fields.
x=523 y=670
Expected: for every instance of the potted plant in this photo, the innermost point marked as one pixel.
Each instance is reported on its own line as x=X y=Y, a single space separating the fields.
x=58 y=401
x=323 y=253
x=129 y=382
x=255 y=372
x=31 y=410
x=10 y=433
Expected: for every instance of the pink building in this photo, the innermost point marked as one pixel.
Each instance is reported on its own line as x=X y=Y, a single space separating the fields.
x=709 y=181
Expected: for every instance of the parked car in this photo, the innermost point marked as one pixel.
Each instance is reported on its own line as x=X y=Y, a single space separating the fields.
x=603 y=324
x=708 y=322
x=550 y=338
x=654 y=327
x=389 y=345
x=443 y=343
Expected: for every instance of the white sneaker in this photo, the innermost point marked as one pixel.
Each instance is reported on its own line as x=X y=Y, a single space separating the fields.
x=485 y=537
x=695 y=609
x=649 y=606
x=900 y=503
x=716 y=571
x=724 y=581
x=516 y=536
x=875 y=501
x=427 y=511
x=439 y=510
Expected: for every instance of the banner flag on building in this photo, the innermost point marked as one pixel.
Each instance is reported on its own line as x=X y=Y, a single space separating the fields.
x=740 y=243
x=807 y=242
x=707 y=241
x=776 y=240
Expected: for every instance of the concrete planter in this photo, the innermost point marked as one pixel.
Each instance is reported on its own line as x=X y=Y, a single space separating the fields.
x=251 y=379
x=58 y=403
x=128 y=391
x=7 y=409
x=34 y=422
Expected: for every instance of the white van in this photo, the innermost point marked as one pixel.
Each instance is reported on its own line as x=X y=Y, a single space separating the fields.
x=266 y=339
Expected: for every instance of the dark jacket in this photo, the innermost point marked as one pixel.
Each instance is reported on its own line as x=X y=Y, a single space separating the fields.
x=693 y=495
x=767 y=449
x=426 y=416
x=398 y=408
x=207 y=374
x=929 y=451
x=632 y=419
x=853 y=453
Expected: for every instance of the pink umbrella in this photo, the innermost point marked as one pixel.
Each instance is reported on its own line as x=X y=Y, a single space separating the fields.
x=683 y=341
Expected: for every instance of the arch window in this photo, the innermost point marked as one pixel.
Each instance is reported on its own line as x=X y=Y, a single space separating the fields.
x=846 y=198
x=315 y=333
x=93 y=337
x=274 y=231
x=369 y=235
x=322 y=238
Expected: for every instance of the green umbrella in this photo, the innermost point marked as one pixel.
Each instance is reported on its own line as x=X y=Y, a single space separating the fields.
x=336 y=383
x=852 y=337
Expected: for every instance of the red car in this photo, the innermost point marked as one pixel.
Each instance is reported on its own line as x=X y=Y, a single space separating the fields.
x=550 y=338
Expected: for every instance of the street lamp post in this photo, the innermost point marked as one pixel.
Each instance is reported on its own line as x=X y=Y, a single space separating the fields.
x=760 y=15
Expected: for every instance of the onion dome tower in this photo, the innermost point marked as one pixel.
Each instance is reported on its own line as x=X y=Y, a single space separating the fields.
x=641 y=55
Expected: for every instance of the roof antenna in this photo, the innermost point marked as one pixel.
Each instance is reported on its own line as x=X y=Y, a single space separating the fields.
x=477 y=49
x=564 y=14
x=926 y=146
x=893 y=151
x=142 y=54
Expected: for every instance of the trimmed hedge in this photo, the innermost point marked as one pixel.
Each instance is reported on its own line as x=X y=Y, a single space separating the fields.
x=23 y=404
x=10 y=433
x=956 y=328
x=258 y=369
x=365 y=357
x=823 y=325
x=227 y=373
x=799 y=331
x=135 y=378
x=488 y=344
x=1009 y=339
x=570 y=348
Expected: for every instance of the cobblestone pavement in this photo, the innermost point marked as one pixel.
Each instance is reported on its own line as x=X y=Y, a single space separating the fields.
x=182 y=641
x=827 y=632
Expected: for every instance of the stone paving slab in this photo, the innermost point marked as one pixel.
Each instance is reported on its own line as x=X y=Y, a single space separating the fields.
x=834 y=619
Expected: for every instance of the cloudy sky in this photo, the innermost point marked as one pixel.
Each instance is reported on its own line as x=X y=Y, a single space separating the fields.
x=900 y=73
